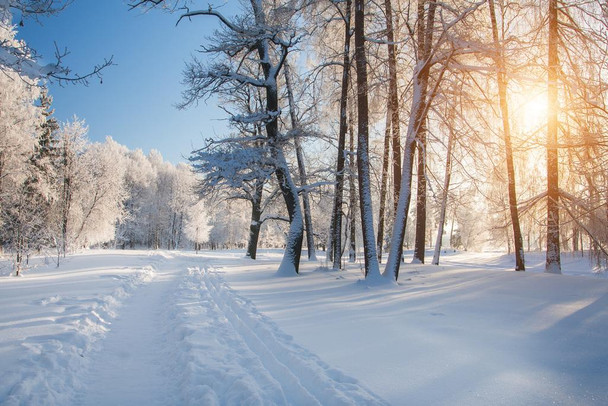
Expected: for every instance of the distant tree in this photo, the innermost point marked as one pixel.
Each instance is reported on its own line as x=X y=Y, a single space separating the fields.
x=72 y=144
x=237 y=170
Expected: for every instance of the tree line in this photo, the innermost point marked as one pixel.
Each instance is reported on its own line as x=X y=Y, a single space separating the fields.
x=489 y=114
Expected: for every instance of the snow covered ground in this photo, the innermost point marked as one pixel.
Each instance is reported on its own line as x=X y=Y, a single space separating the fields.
x=145 y=328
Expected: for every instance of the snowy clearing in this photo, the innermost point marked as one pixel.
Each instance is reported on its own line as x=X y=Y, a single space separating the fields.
x=138 y=327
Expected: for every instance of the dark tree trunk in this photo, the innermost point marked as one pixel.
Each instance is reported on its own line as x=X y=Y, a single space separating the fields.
x=293 y=247
x=336 y=226
x=425 y=41
x=553 y=262
x=310 y=239
x=420 y=242
x=504 y=109
x=365 y=194
x=417 y=117
x=393 y=100
x=255 y=225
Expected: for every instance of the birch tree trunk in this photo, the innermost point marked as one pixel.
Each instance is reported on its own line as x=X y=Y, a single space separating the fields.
x=444 y=198
x=384 y=181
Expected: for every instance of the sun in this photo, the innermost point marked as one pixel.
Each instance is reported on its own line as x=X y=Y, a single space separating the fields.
x=533 y=112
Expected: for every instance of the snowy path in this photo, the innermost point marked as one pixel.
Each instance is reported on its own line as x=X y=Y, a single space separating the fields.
x=132 y=366
x=238 y=356
x=187 y=338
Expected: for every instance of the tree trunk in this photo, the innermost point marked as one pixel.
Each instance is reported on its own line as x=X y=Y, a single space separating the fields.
x=384 y=181
x=553 y=262
x=420 y=241
x=372 y=269
x=290 y=263
x=417 y=116
x=393 y=100
x=310 y=235
x=255 y=225
x=352 y=250
x=336 y=226
x=444 y=198
x=425 y=39
x=504 y=109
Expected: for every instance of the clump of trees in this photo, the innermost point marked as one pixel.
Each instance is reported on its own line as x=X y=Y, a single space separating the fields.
x=488 y=115
x=462 y=81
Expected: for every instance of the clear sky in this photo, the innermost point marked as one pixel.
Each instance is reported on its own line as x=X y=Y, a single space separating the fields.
x=135 y=103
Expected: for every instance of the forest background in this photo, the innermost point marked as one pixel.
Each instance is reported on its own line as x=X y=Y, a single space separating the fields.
x=488 y=115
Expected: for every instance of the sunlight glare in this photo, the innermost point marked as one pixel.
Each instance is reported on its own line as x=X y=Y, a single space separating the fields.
x=534 y=112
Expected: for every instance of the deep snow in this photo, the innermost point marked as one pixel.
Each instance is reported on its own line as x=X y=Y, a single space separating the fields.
x=136 y=327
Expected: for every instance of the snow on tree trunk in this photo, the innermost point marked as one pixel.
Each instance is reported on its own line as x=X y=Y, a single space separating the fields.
x=418 y=115
x=310 y=239
x=335 y=246
x=352 y=204
x=291 y=258
x=372 y=270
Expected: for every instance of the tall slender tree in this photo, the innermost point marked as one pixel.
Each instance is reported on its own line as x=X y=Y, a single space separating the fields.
x=336 y=226
x=553 y=261
x=372 y=269
x=501 y=78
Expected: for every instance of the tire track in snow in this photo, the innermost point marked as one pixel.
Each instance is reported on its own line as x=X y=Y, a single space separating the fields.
x=241 y=357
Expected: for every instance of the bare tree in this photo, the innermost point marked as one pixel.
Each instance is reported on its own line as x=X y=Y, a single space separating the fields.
x=270 y=36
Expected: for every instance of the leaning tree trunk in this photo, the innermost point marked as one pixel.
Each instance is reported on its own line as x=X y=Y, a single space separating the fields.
x=336 y=226
x=444 y=198
x=310 y=235
x=372 y=269
x=504 y=109
x=417 y=116
x=553 y=262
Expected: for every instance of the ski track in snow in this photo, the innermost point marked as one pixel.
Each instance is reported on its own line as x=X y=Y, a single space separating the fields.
x=172 y=334
x=237 y=356
x=133 y=366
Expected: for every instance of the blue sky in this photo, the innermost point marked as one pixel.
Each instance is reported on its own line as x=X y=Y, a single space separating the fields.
x=135 y=103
